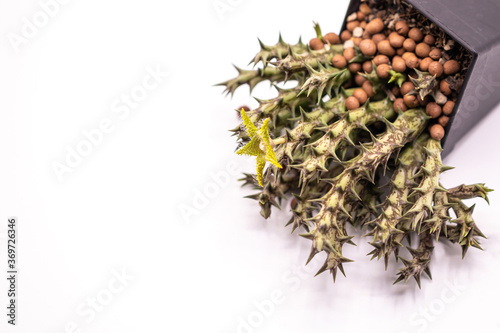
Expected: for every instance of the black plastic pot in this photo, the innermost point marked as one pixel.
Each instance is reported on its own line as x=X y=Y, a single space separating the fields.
x=475 y=24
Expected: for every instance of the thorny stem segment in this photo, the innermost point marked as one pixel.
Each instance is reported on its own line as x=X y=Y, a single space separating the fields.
x=333 y=158
x=420 y=262
x=329 y=233
x=390 y=227
x=317 y=28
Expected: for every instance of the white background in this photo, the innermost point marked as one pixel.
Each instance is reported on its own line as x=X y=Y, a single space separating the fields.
x=120 y=208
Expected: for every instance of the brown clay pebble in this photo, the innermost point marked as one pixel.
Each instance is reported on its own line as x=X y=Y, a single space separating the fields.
x=368 y=47
x=409 y=45
x=359 y=80
x=349 y=53
x=316 y=44
x=377 y=38
x=435 y=54
x=396 y=91
x=375 y=26
x=412 y=61
x=416 y=34
x=361 y=16
x=433 y=110
x=399 y=104
x=448 y=108
x=345 y=35
x=429 y=40
x=383 y=71
x=361 y=95
x=435 y=68
x=331 y=38
x=407 y=55
x=398 y=64
x=402 y=28
x=384 y=47
x=407 y=87
x=451 y=67
x=411 y=101
x=381 y=59
x=396 y=40
x=424 y=64
x=365 y=9
x=351 y=103
x=400 y=51
x=422 y=50
x=368 y=88
x=339 y=61
x=437 y=132
x=352 y=25
x=363 y=25
x=354 y=67
x=357 y=41
x=367 y=67
x=443 y=120
x=445 y=88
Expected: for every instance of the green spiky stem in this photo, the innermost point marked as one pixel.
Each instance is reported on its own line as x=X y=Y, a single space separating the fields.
x=329 y=232
x=317 y=28
x=301 y=214
x=464 y=229
x=277 y=51
x=286 y=97
x=440 y=217
x=469 y=192
x=429 y=185
x=443 y=201
x=420 y=262
x=397 y=77
x=298 y=62
x=309 y=122
x=365 y=209
x=252 y=78
x=425 y=84
x=341 y=131
x=280 y=109
x=273 y=191
x=285 y=68
x=324 y=80
x=387 y=232
x=304 y=208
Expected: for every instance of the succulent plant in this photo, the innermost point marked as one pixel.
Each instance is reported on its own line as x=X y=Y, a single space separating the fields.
x=374 y=166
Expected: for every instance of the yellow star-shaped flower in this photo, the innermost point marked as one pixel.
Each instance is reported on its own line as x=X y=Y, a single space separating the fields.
x=259 y=146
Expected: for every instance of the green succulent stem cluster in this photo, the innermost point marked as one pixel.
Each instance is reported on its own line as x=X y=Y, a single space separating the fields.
x=372 y=167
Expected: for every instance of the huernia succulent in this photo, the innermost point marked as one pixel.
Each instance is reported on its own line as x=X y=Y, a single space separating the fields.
x=348 y=148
